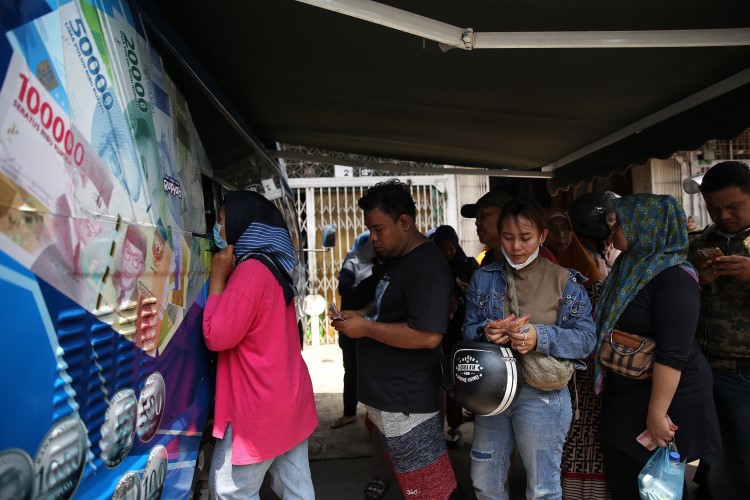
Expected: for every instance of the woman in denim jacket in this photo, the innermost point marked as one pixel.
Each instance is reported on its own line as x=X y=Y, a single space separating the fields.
x=560 y=325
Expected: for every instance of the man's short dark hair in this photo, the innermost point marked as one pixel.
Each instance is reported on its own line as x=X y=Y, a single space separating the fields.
x=727 y=174
x=393 y=197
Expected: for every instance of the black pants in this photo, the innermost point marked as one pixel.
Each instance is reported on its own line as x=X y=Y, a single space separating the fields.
x=349 y=354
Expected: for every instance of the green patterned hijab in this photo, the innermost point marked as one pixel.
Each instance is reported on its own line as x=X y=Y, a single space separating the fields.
x=655 y=228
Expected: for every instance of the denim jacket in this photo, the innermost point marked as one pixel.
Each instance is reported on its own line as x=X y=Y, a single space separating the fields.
x=572 y=336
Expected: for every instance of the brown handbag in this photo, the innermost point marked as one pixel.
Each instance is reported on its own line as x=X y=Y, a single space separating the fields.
x=628 y=355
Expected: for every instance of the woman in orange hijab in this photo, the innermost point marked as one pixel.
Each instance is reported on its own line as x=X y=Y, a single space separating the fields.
x=568 y=250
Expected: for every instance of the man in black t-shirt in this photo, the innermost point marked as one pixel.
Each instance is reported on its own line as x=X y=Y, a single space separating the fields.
x=399 y=348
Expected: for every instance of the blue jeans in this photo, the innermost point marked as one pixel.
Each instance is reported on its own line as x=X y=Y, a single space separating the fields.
x=290 y=473
x=538 y=423
x=728 y=475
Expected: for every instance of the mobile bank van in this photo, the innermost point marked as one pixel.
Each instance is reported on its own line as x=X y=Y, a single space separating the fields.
x=107 y=200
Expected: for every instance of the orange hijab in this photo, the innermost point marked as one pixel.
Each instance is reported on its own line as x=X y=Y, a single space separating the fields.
x=575 y=256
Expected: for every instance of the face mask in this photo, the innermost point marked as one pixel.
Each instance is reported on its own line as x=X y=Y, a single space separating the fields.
x=518 y=267
x=217 y=237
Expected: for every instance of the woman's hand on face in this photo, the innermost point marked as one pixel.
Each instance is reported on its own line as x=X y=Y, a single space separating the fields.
x=523 y=337
x=497 y=331
x=222 y=264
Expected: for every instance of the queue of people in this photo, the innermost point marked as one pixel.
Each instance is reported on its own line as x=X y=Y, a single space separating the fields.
x=539 y=291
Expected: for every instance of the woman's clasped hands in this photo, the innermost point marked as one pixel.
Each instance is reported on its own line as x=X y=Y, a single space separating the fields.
x=521 y=335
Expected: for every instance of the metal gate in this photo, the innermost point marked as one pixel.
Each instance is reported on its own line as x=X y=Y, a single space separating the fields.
x=322 y=201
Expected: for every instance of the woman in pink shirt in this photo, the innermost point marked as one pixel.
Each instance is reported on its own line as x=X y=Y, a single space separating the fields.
x=265 y=408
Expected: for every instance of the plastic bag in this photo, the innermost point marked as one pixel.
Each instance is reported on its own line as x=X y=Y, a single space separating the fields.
x=663 y=476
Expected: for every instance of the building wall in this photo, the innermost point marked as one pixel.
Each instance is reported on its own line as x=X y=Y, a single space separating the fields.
x=469 y=189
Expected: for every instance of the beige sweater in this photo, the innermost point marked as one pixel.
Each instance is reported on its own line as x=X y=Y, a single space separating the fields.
x=540 y=288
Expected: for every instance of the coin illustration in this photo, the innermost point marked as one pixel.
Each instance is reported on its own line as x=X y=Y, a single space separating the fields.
x=150 y=406
x=60 y=459
x=16 y=474
x=128 y=487
x=155 y=473
x=118 y=428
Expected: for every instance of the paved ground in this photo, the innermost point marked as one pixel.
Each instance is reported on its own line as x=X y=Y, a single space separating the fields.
x=340 y=459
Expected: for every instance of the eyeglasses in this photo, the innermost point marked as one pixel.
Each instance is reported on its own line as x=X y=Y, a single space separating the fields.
x=128 y=254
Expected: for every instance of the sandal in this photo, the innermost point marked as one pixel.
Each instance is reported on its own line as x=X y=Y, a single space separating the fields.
x=376 y=488
x=342 y=421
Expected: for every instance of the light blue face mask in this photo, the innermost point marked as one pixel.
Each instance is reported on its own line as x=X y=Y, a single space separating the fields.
x=220 y=242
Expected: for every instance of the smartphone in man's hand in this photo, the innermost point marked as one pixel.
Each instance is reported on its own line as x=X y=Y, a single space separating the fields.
x=710 y=253
x=335 y=311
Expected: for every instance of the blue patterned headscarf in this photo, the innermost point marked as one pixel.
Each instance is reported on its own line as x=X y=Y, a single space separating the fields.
x=257 y=230
x=655 y=228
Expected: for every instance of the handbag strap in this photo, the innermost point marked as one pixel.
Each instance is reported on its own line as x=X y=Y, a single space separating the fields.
x=616 y=347
x=512 y=292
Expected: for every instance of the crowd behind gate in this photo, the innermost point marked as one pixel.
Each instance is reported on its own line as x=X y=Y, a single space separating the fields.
x=629 y=333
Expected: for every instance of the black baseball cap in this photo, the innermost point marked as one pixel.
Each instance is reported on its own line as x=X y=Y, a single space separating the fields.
x=491 y=199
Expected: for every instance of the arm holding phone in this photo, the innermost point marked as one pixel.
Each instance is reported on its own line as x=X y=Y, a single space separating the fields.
x=714 y=264
x=399 y=335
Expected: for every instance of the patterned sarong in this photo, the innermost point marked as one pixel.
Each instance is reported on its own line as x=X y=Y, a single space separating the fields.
x=582 y=464
x=415 y=447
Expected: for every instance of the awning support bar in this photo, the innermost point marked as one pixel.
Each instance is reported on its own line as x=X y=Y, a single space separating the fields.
x=449 y=36
x=735 y=81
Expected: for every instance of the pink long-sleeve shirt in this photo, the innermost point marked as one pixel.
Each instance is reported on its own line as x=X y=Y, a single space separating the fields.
x=262 y=384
